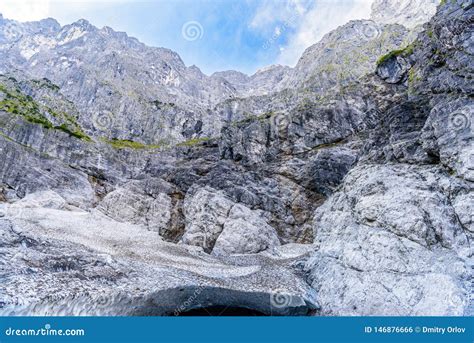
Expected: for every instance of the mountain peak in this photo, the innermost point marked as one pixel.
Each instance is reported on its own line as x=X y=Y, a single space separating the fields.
x=107 y=30
x=50 y=23
x=84 y=24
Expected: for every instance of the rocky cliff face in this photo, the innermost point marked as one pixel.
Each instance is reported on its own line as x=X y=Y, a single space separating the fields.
x=342 y=186
x=126 y=90
x=409 y=13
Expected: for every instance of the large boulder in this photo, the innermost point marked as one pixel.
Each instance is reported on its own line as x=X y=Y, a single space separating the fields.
x=151 y=202
x=215 y=223
x=245 y=232
x=390 y=243
x=125 y=205
x=206 y=212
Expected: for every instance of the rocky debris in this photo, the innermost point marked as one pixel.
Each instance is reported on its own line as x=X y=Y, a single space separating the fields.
x=73 y=268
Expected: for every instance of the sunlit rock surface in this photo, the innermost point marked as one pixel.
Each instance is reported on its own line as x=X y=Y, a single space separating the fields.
x=131 y=184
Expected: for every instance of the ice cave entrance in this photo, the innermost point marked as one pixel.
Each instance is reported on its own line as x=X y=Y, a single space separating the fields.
x=222 y=311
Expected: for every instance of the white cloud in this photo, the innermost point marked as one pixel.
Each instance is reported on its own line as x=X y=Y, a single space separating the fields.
x=31 y=10
x=322 y=18
x=25 y=10
x=270 y=12
x=307 y=20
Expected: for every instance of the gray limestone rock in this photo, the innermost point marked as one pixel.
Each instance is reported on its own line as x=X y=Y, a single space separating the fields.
x=215 y=223
x=383 y=243
x=131 y=184
x=409 y=13
x=244 y=232
x=206 y=212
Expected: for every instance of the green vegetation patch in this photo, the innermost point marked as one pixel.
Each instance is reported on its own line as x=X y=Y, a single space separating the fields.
x=74 y=133
x=15 y=102
x=444 y=2
x=129 y=144
x=407 y=51
x=194 y=141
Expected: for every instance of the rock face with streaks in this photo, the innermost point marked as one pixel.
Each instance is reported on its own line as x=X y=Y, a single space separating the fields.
x=216 y=223
x=150 y=96
x=131 y=184
x=391 y=236
x=401 y=213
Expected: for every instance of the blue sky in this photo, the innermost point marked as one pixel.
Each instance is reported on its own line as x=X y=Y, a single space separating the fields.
x=215 y=35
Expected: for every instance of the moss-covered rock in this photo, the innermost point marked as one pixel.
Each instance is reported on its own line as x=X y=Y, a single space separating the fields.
x=129 y=144
x=193 y=142
x=407 y=51
x=15 y=101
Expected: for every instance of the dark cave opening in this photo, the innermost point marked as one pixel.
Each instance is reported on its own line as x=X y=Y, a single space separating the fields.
x=222 y=311
x=217 y=301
